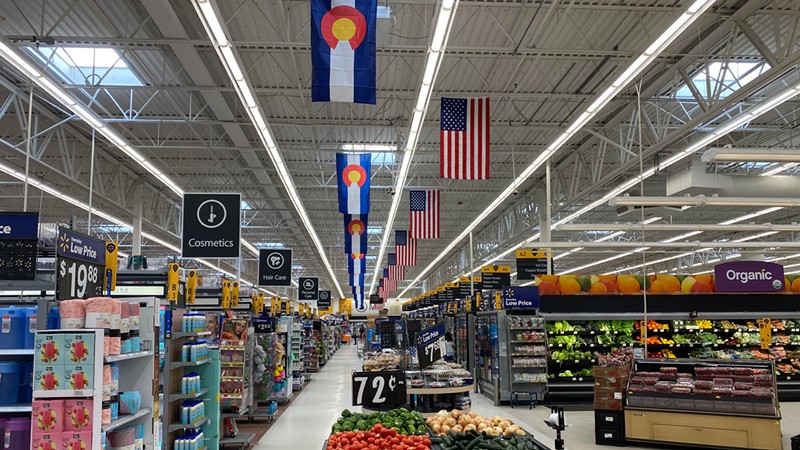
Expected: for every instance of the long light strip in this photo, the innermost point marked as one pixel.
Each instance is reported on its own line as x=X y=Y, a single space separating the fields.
x=88 y=116
x=702 y=200
x=723 y=154
x=226 y=52
x=441 y=33
x=778 y=169
x=55 y=192
x=650 y=54
x=95 y=121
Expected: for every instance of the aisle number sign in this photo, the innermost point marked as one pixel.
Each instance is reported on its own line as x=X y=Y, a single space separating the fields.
x=531 y=262
x=173 y=279
x=112 y=253
x=765 y=331
x=235 y=294
x=226 y=293
x=496 y=277
x=191 y=286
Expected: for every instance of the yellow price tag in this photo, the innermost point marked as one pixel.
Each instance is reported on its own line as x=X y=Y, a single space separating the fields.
x=112 y=250
x=765 y=330
x=173 y=278
x=235 y=294
x=226 y=293
x=191 y=286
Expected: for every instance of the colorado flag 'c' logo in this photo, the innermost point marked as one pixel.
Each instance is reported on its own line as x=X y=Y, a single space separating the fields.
x=343 y=50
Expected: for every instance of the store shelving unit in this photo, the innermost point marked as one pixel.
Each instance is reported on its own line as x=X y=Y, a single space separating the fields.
x=209 y=370
x=95 y=394
x=263 y=386
x=284 y=336
x=491 y=358
x=527 y=350
x=298 y=356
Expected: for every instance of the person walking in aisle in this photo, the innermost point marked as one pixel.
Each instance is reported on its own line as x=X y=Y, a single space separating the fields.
x=449 y=348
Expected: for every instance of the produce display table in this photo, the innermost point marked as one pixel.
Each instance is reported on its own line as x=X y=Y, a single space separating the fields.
x=428 y=393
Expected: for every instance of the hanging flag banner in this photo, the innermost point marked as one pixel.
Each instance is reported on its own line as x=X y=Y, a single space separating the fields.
x=357 y=279
x=464 y=138
x=355 y=234
x=343 y=58
x=308 y=288
x=274 y=267
x=19 y=238
x=531 y=262
x=353 y=174
x=424 y=207
x=356 y=264
x=211 y=225
x=405 y=248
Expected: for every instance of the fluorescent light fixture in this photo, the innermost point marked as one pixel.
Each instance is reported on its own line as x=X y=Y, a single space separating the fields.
x=369 y=148
x=751 y=155
x=439 y=32
x=216 y=32
x=384 y=12
x=702 y=200
x=751 y=215
x=778 y=169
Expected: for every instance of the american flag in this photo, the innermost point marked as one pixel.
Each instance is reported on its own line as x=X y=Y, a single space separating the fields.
x=389 y=285
x=406 y=248
x=464 y=139
x=424 y=206
x=396 y=271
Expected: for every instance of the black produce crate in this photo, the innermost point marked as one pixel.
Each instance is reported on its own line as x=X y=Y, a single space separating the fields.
x=609 y=437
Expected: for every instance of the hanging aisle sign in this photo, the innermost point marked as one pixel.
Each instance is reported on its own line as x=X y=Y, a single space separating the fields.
x=80 y=265
x=308 y=288
x=19 y=234
x=211 y=225
x=496 y=277
x=274 y=267
x=749 y=276
x=324 y=300
x=531 y=262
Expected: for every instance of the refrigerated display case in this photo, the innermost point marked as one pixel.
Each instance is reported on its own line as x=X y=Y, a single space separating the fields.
x=527 y=343
x=464 y=338
x=491 y=358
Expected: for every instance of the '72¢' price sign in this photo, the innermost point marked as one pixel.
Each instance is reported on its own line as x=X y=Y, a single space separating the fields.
x=379 y=388
x=78 y=279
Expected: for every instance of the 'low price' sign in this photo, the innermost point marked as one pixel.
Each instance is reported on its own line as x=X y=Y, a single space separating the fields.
x=431 y=345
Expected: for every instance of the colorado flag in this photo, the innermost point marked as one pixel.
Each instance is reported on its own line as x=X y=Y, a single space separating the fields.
x=353 y=174
x=343 y=50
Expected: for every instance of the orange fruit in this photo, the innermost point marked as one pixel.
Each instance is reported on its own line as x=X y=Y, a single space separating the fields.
x=658 y=286
x=548 y=288
x=610 y=285
x=704 y=277
x=687 y=283
x=628 y=284
x=701 y=286
x=787 y=285
x=608 y=277
x=796 y=285
x=569 y=286
x=599 y=288
x=672 y=284
x=551 y=278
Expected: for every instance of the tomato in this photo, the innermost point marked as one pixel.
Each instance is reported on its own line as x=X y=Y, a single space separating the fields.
x=426 y=442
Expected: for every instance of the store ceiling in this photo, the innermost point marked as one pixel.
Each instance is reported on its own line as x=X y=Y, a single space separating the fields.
x=541 y=63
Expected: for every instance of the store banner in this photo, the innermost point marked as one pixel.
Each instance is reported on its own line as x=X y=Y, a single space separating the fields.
x=356 y=279
x=80 y=265
x=496 y=277
x=356 y=264
x=355 y=234
x=379 y=388
x=431 y=334
x=274 y=267
x=308 y=288
x=324 y=300
x=353 y=175
x=211 y=225
x=19 y=235
x=531 y=262
x=749 y=276
x=521 y=297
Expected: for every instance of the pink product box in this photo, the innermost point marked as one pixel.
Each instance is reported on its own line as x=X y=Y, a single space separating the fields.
x=47 y=416
x=78 y=415
x=76 y=440
x=45 y=441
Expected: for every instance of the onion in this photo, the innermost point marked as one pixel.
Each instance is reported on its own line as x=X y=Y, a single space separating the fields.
x=451 y=422
x=482 y=426
x=444 y=429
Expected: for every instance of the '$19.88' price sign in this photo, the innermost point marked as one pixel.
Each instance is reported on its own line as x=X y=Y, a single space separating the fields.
x=78 y=279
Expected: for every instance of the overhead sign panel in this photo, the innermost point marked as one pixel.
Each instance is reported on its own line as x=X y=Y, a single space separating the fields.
x=531 y=262
x=211 y=225
x=496 y=277
x=324 y=300
x=274 y=267
x=749 y=276
x=80 y=265
x=309 y=288
x=19 y=234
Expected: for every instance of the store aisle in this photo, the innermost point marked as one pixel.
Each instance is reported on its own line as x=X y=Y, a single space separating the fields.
x=307 y=421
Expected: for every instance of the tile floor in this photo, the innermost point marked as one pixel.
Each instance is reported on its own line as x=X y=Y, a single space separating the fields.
x=306 y=423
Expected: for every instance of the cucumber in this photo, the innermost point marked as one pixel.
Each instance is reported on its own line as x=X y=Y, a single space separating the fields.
x=474 y=442
x=435 y=439
x=446 y=440
x=461 y=446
